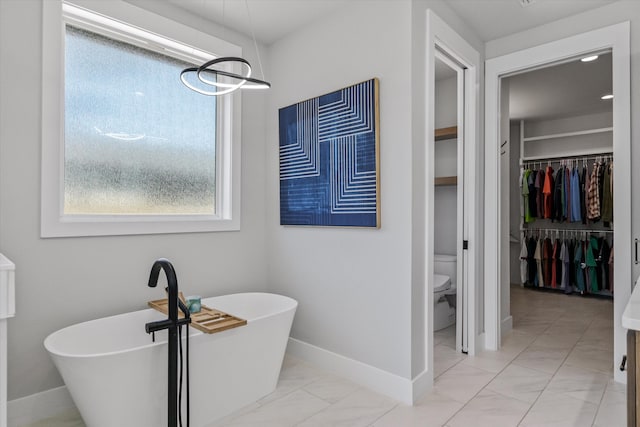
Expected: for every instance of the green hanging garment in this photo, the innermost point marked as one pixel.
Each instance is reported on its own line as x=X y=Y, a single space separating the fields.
x=592 y=248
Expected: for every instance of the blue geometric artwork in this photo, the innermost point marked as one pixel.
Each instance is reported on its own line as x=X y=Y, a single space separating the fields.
x=329 y=156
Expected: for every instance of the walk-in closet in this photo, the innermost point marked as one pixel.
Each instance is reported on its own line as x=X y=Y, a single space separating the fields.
x=559 y=154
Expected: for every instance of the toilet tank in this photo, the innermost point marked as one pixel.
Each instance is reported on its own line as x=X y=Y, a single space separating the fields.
x=447 y=265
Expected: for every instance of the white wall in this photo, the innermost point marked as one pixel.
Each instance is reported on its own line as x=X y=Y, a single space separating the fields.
x=596 y=141
x=446 y=112
x=348 y=281
x=352 y=285
x=60 y=282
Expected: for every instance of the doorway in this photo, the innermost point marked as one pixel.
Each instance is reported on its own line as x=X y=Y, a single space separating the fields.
x=445 y=46
x=616 y=39
x=451 y=222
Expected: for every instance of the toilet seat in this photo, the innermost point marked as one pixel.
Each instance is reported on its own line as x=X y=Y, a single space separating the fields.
x=441 y=283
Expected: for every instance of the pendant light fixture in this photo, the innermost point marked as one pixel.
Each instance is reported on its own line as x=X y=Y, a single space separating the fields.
x=221 y=82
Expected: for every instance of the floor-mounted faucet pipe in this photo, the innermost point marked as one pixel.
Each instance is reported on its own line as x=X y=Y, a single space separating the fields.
x=171 y=324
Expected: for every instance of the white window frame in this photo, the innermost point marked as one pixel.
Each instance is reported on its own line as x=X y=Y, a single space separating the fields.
x=156 y=33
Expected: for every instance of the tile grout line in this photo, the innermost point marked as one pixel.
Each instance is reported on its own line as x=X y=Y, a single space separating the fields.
x=372 y=424
x=556 y=371
x=494 y=377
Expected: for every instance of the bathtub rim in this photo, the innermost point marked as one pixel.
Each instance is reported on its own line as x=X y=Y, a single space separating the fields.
x=193 y=332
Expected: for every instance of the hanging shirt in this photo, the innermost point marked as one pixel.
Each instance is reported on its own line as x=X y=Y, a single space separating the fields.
x=525 y=196
x=607 y=196
x=564 y=257
x=531 y=262
x=593 y=196
x=558 y=195
x=575 y=196
x=601 y=169
x=559 y=263
x=540 y=196
x=590 y=260
x=523 y=261
x=584 y=184
x=554 y=265
x=603 y=261
x=569 y=266
x=547 y=261
x=533 y=196
x=567 y=193
x=538 y=257
x=547 y=190
x=579 y=265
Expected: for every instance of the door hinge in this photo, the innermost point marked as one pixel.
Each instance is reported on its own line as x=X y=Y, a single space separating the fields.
x=465 y=244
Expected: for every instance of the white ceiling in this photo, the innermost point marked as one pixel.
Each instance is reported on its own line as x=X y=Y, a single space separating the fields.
x=274 y=19
x=271 y=19
x=493 y=19
x=573 y=88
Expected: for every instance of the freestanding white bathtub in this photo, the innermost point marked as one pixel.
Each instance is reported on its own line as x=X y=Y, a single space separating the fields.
x=118 y=377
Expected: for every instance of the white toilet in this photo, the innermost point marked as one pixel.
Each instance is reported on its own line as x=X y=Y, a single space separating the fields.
x=444 y=291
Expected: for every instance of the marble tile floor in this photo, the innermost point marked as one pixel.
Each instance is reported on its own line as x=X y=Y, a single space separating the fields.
x=554 y=369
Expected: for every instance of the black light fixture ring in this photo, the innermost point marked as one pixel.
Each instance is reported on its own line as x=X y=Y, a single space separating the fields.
x=222 y=88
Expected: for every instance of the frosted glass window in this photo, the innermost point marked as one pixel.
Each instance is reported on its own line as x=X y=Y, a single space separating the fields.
x=137 y=141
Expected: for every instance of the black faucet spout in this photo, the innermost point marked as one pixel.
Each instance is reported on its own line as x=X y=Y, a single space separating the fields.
x=157 y=326
x=172 y=285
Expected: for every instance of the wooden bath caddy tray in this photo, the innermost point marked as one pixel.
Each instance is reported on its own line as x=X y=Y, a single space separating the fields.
x=208 y=320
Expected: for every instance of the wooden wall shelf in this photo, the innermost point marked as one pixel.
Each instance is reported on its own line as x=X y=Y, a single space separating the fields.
x=446 y=180
x=446 y=133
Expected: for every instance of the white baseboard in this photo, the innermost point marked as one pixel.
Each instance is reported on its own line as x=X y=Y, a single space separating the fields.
x=506 y=325
x=481 y=343
x=39 y=406
x=422 y=384
x=399 y=388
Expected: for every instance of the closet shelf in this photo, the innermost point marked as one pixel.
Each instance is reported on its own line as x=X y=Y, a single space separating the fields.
x=567 y=134
x=446 y=180
x=446 y=133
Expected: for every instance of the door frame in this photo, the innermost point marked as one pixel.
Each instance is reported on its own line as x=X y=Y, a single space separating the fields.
x=615 y=37
x=442 y=37
x=462 y=221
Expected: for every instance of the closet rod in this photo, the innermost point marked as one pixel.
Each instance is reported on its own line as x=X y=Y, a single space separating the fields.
x=559 y=158
x=565 y=230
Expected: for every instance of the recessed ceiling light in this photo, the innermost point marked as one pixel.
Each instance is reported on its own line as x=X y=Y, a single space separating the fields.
x=609 y=96
x=589 y=58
